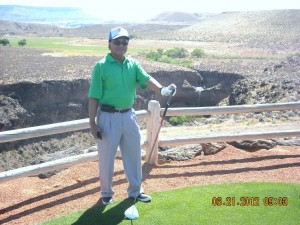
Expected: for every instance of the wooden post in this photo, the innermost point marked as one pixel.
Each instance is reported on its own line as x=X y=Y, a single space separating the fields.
x=153 y=123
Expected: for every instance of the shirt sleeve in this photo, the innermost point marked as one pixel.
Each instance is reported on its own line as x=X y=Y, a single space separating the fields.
x=142 y=76
x=96 y=89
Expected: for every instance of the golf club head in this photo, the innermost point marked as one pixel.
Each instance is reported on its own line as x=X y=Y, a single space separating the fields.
x=132 y=213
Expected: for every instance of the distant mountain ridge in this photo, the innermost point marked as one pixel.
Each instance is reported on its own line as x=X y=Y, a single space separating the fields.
x=61 y=16
x=181 y=17
x=75 y=17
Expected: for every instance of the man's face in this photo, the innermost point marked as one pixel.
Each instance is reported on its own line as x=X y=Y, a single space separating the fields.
x=119 y=46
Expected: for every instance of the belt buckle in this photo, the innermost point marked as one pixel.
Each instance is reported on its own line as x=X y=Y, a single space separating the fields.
x=122 y=110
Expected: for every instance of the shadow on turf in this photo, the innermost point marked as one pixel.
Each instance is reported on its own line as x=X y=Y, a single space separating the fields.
x=98 y=215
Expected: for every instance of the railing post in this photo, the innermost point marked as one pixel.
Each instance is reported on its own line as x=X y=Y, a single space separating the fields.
x=153 y=123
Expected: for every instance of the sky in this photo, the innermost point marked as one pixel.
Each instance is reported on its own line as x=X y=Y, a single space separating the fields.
x=147 y=9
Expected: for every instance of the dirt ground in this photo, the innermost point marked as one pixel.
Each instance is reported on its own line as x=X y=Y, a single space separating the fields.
x=31 y=200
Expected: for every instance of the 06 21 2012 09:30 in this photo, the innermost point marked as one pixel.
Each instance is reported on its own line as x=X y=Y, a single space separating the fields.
x=249 y=201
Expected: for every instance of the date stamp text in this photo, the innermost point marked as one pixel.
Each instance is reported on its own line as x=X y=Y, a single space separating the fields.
x=249 y=201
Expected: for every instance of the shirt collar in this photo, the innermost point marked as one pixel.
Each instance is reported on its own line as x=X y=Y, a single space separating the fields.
x=111 y=59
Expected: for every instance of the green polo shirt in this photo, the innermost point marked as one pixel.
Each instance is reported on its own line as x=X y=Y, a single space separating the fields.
x=114 y=83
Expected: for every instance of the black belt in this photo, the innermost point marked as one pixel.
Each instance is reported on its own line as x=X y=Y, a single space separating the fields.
x=112 y=109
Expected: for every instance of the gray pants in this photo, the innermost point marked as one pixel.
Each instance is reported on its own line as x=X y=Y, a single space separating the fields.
x=119 y=129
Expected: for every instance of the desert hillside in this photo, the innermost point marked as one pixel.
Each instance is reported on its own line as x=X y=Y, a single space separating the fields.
x=273 y=26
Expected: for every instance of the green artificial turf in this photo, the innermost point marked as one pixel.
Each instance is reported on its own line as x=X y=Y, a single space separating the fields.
x=242 y=203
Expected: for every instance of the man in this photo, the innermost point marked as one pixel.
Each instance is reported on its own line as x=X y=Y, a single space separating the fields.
x=111 y=97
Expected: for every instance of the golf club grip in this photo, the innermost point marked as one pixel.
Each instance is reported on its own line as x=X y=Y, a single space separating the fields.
x=170 y=97
x=168 y=103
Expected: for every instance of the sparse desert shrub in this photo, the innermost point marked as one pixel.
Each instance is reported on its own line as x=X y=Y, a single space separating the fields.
x=198 y=53
x=154 y=55
x=4 y=42
x=177 y=53
x=160 y=51
x=179 y=120
x=172 y=56
x=165 y=59
x=22 y=42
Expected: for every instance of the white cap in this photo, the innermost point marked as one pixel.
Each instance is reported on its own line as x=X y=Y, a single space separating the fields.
x=117 y=32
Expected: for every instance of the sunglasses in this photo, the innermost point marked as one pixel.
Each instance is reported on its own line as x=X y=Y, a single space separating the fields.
x=117 y=42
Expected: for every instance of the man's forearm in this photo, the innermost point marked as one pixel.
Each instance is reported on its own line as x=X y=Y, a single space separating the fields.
x=153 y=85
x=93 y=107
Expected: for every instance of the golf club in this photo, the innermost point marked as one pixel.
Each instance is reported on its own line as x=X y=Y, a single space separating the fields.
x=132 y=212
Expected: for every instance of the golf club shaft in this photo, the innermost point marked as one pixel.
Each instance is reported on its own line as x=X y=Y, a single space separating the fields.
x=161 y=122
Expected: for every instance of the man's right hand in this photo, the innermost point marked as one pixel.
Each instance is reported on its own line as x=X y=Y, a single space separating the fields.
x=95 y=131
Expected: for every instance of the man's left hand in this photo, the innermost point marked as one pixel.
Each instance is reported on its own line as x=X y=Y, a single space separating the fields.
x=170 y=90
